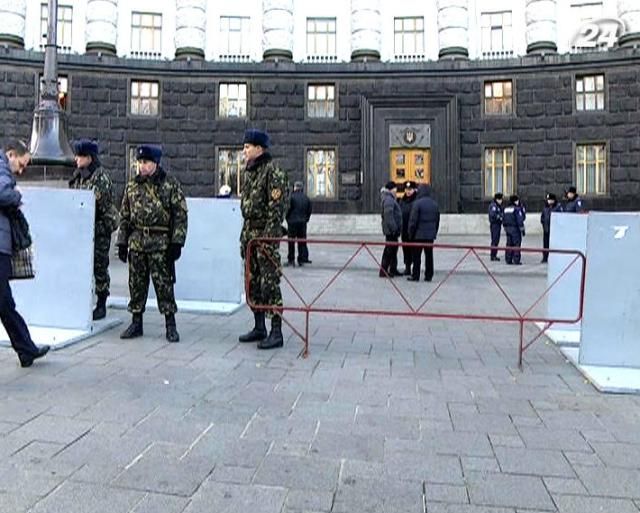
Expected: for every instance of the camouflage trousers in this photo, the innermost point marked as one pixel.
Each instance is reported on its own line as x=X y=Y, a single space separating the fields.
x=154 y=265
x=264 y=276
x=101 y=264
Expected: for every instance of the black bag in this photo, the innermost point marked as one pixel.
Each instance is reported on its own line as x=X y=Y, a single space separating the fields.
x=22 y=264
x=20 y=235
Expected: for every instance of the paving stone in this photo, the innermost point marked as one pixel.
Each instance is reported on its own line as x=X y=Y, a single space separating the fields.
x=295 y=472
x=618 y=454
x=232 y=474
x=230 y=498
x=545 y=438
x=577 y=504
x=567 y=486
x=81 y=498
x=533 y=462
x=378 y=496
x=309 y=500
x=472 y=463
x=446 y=493
x=341 y=445
x=610 y=482
x=465 y=508
x=508 y=491
x=156 y=503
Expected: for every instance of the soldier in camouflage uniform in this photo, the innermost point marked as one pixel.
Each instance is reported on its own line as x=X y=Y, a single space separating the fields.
x=264 y=203
x=90 y=174
x=153 y=229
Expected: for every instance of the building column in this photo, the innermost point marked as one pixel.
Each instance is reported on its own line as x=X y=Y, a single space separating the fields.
x=542 y=36
x=191 y=20
x=629 y=13
x=277 y=28
x=102 y=27
x=365 y=30
x=453 y=27
x=12 y=14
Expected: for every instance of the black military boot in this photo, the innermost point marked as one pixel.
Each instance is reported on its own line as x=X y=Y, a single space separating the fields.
x=100 y=311
x=259 y=331
x=172 y=332
x=275 y=338
x=135 y=328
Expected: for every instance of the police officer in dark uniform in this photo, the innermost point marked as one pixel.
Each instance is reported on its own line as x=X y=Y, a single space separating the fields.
x=405 y=205
x=574 y=201
x=550 y=206
x=298 y=215
x=513 y=222
x=495 y=223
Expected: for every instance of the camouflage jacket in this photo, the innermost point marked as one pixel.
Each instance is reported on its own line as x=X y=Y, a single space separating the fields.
x=264 y=198
x=100 y=183
x=153 y=213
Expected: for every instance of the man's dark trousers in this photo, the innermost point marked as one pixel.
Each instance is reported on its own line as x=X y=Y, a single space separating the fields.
x=297 y=231
x=496 y=228
x=428 y=261
x=12 y=321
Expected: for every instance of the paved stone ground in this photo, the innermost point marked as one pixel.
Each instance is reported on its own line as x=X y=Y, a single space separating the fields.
x=386 y=414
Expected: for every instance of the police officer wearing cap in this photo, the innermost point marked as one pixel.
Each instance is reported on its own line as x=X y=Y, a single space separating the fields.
x=153 y=230
x=495 y=223
x=513 y=222
x=574 y=201
x=405 y=205
x=90 y=174
x=264 y=203
x=551 y=205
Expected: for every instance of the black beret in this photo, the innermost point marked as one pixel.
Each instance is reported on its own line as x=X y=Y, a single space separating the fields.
x=572 y=190
x=256 y=137
x=551 y=196
x=148 y=152
x=513 y=198
x=390 y=186
x=85 y=148
x=498 y=195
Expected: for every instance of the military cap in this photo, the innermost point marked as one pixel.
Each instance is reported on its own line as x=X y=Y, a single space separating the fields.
x=256 y=137
x=513 y=198
x=410 y=185
x=498 y=196
x=551 y=196
x=572 y=190
x=390 y=186
x=148 y=152
x=298 y=185
x=85 y=148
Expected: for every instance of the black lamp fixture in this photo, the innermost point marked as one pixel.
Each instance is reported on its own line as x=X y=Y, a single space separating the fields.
x=49 y=142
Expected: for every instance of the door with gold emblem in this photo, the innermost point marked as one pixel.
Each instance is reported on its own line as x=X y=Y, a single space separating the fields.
x=410 y=164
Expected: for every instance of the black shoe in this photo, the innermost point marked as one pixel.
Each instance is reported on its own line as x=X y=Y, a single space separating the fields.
x=172 y=334
x=544 y=261
x=382 y=274
x=407 y=272
x=289 y=263
x=300 y=262
x=517 y=263
x=134 y=329
x=27 y=360
x=395 y=273
x=259 y=331
x=275 y=338
x=428 y=278
x=495 y=259
x=100 y=311
x=413 y=278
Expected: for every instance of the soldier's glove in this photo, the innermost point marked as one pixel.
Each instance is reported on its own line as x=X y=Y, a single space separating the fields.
x=123 y=252
x=174 y=251
x=522 y=232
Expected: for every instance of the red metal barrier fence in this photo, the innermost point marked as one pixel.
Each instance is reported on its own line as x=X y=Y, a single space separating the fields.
x=521 y=317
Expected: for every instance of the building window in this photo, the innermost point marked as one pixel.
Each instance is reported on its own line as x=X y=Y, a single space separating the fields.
x=497 y=37
x=146 y=35
x=590 y=92
x=234 y=37
x=499 y=172
x=233 y=101
x=64 y=34
x=63 y=91
x=145 y=98
x=321 y=37
x=321 y=173
x=321 y=101
x=230 y=167
x=591 y=169
x=408 y=36
x=498 y=97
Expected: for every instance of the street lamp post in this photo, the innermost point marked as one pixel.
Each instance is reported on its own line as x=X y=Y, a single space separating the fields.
x=49 y=143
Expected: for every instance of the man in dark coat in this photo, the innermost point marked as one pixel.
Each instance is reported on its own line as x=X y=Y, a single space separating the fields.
x=574 y=201
x=298 y=215
x=14 y=158
x=424 y=223
x=391 y=228
x=405 y=205
x=551 y=205
x=495 y=223
x=513 y=221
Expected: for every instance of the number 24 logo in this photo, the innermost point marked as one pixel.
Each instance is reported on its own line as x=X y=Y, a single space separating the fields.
x=600 y=32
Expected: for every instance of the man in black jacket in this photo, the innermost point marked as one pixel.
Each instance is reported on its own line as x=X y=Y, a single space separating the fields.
x=551 y=205
x=392 y=229
x=298 y=216
x=405 y=205
x=424 y=223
